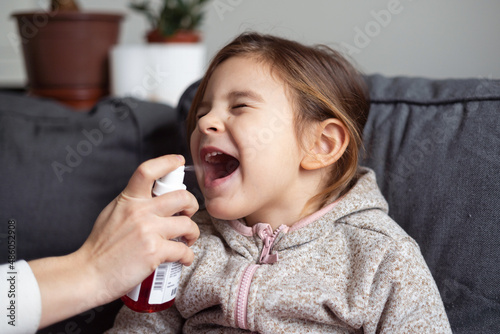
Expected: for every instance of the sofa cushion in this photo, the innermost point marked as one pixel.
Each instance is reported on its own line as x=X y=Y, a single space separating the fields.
x=60 y=168
x=435 y=147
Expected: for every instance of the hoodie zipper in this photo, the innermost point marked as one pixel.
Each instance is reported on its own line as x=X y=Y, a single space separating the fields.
x=242 y=299
x=268 y=240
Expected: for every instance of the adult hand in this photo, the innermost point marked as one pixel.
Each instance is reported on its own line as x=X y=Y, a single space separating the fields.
x=130 y=238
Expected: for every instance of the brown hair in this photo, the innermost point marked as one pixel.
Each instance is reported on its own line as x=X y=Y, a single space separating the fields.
x=323 y=85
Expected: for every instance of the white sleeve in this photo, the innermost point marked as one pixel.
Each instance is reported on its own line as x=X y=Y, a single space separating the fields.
x=21 y=304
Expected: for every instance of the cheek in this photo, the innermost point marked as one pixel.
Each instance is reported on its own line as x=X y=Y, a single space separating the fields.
x=193 y=145
x=257 y=140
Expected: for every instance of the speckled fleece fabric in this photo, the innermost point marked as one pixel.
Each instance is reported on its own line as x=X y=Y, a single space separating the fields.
x=352 y=270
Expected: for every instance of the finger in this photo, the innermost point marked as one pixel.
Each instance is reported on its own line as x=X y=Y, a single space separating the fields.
x=177 y=227
x=142 y=180
x=174 y=251
x=176 y=202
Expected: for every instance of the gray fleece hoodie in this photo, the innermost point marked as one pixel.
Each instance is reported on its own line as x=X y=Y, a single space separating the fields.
x=348 y=268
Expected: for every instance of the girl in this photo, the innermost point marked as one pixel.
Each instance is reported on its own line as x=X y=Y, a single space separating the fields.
x=295 y=237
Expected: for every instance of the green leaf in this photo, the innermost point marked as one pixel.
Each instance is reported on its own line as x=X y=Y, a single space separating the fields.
x=173 y=15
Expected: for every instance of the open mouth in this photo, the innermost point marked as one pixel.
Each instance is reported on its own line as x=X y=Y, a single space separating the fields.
x=218 y=165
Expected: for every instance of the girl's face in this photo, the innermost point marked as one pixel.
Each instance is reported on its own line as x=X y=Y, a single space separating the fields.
x=244 y=147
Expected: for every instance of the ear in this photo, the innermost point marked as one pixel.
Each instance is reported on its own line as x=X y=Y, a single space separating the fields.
x=330 y=141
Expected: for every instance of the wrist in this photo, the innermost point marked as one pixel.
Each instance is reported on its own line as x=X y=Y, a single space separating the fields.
x=66 y=286
x=93 y=283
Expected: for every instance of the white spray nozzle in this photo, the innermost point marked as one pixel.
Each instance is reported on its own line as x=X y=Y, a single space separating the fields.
x=170 y=182
x=176 y=176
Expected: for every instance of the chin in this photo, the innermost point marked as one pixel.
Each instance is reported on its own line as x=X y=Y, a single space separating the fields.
x=220 y=211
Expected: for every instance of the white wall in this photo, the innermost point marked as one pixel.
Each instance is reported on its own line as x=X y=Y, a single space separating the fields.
x=432 y=38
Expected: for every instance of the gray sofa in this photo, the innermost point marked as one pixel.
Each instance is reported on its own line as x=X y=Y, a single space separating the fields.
x=434 y=144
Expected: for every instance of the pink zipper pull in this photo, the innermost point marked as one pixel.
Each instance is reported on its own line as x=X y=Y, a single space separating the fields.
x=268 y=240
x=265 y=257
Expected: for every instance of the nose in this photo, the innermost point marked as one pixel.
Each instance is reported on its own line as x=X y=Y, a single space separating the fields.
x=210 y=123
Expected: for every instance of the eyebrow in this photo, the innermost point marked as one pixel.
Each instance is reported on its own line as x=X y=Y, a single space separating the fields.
x=235 y=94
x=203 y=104
x=246 y=94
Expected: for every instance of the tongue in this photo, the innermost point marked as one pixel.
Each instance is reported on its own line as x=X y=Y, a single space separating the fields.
x=221 y=166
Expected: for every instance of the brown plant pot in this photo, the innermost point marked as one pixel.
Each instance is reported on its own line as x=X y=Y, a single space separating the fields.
x=180 y=36
x=66 y=54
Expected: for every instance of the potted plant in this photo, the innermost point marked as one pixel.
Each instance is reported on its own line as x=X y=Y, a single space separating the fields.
x=173 y=58
x=66 y=52
x=175 y=20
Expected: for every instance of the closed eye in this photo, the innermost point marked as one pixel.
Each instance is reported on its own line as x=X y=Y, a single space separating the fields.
x=202 y=111
x=241 y=105
x=200 y=115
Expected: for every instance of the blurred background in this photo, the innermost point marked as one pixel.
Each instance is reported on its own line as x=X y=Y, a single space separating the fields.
x=436 y=39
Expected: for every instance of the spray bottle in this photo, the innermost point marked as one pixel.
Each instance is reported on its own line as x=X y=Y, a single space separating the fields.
x=157 y=292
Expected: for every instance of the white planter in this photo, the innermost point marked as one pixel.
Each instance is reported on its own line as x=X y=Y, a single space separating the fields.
x=156 y=72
